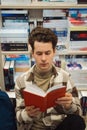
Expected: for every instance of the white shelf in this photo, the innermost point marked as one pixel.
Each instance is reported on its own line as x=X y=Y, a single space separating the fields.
x=71 y=52
x=44 y=5
x=15 y=52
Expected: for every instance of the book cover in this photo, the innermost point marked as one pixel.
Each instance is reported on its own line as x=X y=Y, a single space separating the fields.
x=34 y=95
x=6 y=75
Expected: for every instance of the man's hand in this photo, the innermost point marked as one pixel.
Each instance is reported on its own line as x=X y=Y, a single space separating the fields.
x=65 y=101
x=32 y=111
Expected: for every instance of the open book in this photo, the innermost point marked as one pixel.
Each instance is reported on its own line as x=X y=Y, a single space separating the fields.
x=33 y=95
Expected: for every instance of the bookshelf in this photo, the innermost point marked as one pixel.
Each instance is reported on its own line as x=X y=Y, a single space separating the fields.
x=44 y=5
x=35 y=11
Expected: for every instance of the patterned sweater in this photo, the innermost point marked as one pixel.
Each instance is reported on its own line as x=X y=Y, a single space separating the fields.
x=52 y=116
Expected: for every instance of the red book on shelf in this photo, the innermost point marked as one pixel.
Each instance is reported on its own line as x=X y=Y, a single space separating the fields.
x=34 y=95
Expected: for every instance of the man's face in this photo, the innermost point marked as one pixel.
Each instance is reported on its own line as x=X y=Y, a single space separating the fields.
x=43 y=55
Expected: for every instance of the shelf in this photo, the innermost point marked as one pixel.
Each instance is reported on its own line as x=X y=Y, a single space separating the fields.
x=15 y=52
x=37 y=6
x=71 y=52
x=82 y=88
x=45 y=5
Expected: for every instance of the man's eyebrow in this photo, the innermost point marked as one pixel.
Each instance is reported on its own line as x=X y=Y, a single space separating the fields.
x=44 y=51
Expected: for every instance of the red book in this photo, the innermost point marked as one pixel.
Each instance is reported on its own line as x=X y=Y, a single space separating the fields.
x=34 y=95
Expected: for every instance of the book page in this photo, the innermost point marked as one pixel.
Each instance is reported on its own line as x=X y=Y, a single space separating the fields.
x=54 y=88
x=35 y=90
x=38 y=91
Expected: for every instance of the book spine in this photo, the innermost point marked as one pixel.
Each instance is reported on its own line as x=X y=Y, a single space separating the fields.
x=17 y=40
x=6 y=80
x=78 y=35
x=14 y=11
x=11 y=75
x=14 y=46
x=6 y=75
x=55 y=18
x=13 y=15
x=14 y=18
x=16 y=24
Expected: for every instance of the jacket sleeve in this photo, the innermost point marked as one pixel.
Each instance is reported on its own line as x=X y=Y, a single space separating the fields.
x=75 y=106
x=21 y=114
x=71 y=88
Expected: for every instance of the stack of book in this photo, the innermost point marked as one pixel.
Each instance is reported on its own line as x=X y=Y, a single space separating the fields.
x=15 y=18
x=78 y=29
x=13 y=67
x=14 y=39
x=22 y=62
x=8 y=71
x=57 y=21
x=15 y=31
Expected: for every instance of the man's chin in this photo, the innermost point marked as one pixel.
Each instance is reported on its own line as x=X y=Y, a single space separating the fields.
x=44 y=69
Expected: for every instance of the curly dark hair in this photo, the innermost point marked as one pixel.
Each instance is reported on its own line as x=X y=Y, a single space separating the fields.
x=44 y=35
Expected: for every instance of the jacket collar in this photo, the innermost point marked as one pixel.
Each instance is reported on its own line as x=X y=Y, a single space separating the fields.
x=30 y=75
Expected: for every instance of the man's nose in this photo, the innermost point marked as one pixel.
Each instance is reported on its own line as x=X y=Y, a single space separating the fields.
x=43 y=57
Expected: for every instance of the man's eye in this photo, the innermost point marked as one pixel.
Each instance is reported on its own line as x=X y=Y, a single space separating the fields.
x=47 y=53
x=39 y=53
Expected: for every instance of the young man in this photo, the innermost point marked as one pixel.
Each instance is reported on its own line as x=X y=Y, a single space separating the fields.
x=66 y=115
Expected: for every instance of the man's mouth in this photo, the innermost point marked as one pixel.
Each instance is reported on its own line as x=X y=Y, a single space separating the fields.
x=43 y=64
